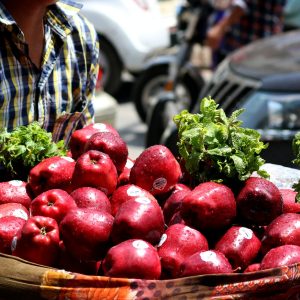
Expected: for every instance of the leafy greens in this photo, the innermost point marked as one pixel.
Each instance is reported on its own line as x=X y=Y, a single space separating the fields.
x=25 y=147
x=296 y=161
x=214 y=147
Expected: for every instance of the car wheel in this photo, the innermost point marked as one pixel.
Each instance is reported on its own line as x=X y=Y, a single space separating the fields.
x=150 y=84
x=111 y=67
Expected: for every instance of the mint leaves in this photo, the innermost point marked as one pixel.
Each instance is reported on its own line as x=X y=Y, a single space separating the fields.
x=25 y=147
x=215 y=147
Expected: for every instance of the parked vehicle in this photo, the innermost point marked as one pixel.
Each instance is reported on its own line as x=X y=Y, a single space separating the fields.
x=263 y=78
x=130 y=31
x=172 y=75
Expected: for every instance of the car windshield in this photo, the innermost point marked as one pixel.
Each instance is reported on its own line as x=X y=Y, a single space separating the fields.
x=271 y=111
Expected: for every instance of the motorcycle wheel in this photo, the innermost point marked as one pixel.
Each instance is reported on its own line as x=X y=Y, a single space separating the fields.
x=111 y=67
x=150 y=84
x=157 y=121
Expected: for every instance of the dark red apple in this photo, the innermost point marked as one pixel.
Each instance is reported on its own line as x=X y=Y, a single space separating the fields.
x=176 y=219
x=54 y=203
x=80 y=137
x=283 y=230
x=134 y=258
x=252 y=268
x=174 y=201
x=240 y=245
x=284 y=255
x=205 y=262
x=10 y=227
x=14 y=191
x=176 y=244
x=89 y=197
x=51 y=173
x=139 y=218
x=156 y=170
x=259 y=201
x=209 y=206
x=111 y=144
x=14 y=209
x=38 y=241
x=124 y=177
x=95 y=169
x=71 y=264
x=289 y=201
x=126 y=192
x=86 y=233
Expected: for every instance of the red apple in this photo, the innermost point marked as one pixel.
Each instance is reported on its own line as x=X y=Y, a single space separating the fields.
x=156 y=170
x=89 y=197
x=95 y=169
x=134 y=258
x=176 y=219
x=124 y=177
x=38 y=241
x=10 y=226
x=14 y=209
x=209 y=206
x=289 y=201
x=174 y=201
x=252 y=268
x=284 y=255
x=80 y=137
x=240 y=245
x=71 y=264
x=139 y=218
x=54 y=203
x=86 y=233
x=283 y=230
x=14 y=191
x=176 y=244
x=259 y=201
x=205 y=262
x=111 y=144
x=51 y=173
x=126 y=192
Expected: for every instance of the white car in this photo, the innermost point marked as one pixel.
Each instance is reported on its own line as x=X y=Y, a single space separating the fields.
x=130 y=31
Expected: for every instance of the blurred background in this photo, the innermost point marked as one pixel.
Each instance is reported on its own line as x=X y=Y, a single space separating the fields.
x=157 y=23
x=155 y=63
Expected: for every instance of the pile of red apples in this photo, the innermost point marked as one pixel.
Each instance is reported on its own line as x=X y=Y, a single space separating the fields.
x=99 y=212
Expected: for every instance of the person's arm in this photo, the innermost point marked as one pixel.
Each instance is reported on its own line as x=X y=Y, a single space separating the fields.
x=216 y=33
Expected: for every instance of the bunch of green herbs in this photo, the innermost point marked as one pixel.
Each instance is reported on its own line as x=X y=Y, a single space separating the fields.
x=26 y=146
x=296 y=161
x=215 y=147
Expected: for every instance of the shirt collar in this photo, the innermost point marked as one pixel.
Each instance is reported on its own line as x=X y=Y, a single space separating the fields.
x=59 y=16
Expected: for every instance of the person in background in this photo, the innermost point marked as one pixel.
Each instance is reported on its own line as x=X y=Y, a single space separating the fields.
x=48 y=66
x=292 y=15
x=244 y=21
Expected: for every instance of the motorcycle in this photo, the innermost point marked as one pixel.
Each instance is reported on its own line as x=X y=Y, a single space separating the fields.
x=171 y=82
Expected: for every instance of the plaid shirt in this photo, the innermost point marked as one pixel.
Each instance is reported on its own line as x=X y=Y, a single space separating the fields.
x=263 y=18
x=59 y=94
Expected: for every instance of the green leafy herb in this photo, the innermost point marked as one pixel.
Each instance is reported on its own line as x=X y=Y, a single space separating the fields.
x=217 y=148
x=296 y=161
x=25 y=147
